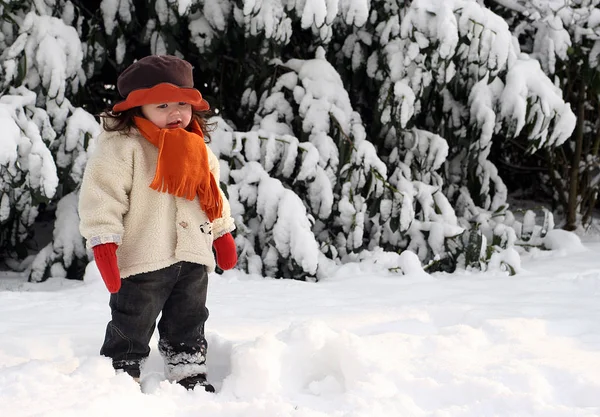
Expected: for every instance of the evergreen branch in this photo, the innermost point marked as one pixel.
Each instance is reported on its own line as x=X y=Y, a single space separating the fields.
x=344 y=134
x=527 y=245
x=521 y=167
x=278 y=139
x=385 y=182
x=81 y=6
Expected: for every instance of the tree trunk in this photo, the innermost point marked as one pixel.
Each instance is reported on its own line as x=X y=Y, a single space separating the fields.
x=571 y=223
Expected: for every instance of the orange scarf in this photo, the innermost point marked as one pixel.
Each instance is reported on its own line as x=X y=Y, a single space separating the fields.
x=182 y=169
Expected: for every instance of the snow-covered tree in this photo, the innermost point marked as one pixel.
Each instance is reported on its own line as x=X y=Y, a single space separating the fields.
x=453 y=68
x=345 y=127
x=28 y=171
x=564 y=36
x=43 y=158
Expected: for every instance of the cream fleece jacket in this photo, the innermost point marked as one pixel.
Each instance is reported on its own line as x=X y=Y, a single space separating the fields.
x=153 y=229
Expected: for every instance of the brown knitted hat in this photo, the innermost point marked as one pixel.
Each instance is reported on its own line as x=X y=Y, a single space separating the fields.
x=158 y=79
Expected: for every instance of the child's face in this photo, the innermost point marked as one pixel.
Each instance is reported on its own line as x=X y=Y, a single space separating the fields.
x=168 y=115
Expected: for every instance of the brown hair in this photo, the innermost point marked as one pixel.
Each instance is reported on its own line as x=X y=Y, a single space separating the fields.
x=123 y=121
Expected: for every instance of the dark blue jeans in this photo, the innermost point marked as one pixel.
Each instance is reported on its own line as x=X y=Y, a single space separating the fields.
x=179 y=291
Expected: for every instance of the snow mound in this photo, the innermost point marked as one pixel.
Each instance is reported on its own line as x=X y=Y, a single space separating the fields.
x=558 y=239
x=309 y=357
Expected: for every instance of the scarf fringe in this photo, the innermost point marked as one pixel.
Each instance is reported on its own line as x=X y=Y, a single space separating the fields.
x=180 y=187
x=188 y=188
x=213 y=206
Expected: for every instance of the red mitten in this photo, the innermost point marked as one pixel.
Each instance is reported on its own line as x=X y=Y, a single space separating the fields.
x=226 y=251
x=106 y=260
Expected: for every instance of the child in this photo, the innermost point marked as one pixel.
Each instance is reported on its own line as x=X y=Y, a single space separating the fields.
x=151 y=210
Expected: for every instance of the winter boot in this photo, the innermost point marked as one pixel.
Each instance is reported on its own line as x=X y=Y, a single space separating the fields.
x=196 y=380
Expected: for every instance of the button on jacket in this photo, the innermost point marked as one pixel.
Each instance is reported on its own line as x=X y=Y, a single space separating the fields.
x=153 y=229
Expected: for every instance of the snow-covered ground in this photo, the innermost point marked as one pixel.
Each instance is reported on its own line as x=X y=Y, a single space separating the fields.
x=364 y=342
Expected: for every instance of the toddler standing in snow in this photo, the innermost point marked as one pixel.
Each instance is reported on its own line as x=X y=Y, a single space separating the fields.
x=151 y=209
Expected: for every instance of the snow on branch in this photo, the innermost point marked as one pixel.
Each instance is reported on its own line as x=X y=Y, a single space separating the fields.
x=529 y=98
x=288 y=246
x=28 y=174
x=111 y=9
x=66 y=255
x=274 y=19
x=468 y=41
x=210 y=24
x=23 y=149
x=46 y=57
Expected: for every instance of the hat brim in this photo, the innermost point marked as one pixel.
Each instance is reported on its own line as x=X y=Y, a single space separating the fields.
x=162 y=93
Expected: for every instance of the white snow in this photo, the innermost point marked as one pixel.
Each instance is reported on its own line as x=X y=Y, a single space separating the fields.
x=54 y=55
x=363 y=342
x=561 y=240
x=366 y=340
x=23 y=147
x=284 y=219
